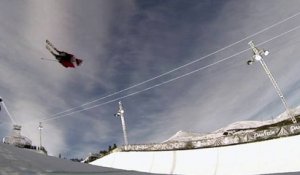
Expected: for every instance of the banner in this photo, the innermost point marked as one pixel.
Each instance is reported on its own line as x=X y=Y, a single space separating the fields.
x=239 y=137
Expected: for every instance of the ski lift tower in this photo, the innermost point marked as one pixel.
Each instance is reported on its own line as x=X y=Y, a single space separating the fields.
x=8 y=113
x=0 y=103
x=40 y=129
x=258 y=56
x=120 y=114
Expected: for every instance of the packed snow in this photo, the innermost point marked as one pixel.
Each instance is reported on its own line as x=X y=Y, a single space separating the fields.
x=16 y=161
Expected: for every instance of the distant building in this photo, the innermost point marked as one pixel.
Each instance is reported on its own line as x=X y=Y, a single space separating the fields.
x=20 y=141
x=16 y=138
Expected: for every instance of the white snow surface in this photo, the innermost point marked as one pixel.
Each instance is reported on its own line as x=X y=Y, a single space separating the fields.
x=19 y=161
x=273 y=156
x=246 y=159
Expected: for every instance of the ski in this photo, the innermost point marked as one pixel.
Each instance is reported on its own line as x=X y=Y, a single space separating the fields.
x=51 y=45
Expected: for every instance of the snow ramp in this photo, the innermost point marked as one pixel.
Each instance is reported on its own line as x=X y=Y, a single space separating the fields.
x=265 y=157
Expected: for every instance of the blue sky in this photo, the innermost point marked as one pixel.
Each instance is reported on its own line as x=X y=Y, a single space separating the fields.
x=126 y=42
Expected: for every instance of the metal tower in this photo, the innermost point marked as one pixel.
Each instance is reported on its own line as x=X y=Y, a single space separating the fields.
x=40 y=128
x=120 y=114
x=258 y=56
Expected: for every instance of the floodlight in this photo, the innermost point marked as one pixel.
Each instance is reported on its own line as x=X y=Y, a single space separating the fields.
x=257 y=57
x=266 y=52
x=249 y=62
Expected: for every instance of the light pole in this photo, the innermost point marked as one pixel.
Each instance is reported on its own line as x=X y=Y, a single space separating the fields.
x=5 y=108
x=120 y=114
x=40 y=128
x=258 y=56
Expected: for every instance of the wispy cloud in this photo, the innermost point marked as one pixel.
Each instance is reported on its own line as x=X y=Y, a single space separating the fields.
x=126 y=42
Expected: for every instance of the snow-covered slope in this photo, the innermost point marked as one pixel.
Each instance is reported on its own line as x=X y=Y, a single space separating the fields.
x=15 y=160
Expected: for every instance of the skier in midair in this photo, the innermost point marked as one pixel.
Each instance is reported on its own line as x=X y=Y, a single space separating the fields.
x=64 y=58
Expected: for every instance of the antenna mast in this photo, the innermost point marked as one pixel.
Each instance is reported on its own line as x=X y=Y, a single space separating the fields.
x=120 y=114
x=40 y=128
x=258 y=56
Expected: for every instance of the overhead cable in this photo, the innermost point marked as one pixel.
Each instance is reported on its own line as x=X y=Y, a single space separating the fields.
x=178 y=68
x=168 y=81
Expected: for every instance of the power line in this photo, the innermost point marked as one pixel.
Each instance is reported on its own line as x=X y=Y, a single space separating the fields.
x=180 y=67
x=170 y=80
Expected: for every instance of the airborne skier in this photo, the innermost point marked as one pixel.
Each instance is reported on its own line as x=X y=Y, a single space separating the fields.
x=64 y=58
